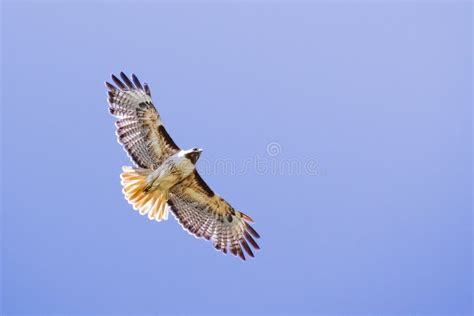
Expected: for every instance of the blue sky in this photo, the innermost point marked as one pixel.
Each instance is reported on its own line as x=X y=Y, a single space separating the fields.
x=372 y=102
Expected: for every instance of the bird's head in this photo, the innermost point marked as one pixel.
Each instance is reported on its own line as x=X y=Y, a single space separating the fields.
x=193 y=154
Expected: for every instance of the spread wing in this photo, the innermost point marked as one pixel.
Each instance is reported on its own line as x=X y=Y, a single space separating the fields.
x=139 y=128
x=205 y=214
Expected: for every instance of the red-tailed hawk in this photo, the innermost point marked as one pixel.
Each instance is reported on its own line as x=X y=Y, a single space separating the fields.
x=165 y=177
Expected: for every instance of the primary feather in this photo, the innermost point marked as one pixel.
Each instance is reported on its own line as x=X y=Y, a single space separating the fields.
x=139 y=128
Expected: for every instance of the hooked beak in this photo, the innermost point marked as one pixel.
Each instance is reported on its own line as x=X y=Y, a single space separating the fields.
x=194 y=154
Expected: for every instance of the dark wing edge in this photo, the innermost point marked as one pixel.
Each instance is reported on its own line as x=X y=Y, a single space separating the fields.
x=204 y=214
x=139 y=128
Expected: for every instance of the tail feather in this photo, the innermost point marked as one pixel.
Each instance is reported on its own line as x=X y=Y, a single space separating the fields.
x=158 y=209
x=152 y=203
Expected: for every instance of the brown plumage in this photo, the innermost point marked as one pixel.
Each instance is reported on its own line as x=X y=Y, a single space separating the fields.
x=197 y=208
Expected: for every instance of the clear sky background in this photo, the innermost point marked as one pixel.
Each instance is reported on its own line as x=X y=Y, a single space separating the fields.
x=374 y=98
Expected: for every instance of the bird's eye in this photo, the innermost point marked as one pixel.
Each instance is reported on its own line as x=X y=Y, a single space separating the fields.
x=195 y=149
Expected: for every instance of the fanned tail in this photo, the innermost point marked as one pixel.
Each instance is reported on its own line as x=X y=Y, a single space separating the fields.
x=152 y=203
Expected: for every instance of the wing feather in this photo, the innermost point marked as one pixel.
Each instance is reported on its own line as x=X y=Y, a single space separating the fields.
x=139 y=128
x=127 y=81
x=137 y=82
x=205 y=214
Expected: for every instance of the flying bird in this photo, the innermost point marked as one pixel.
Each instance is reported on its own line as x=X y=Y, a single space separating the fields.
x=164 y=178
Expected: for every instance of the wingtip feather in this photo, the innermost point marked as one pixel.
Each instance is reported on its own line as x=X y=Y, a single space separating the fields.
x=251 y=230
x=246 y=217
x=118 y=82
x=110 y=86
x=147 y=89
x=137 y=82
x=127 y=80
